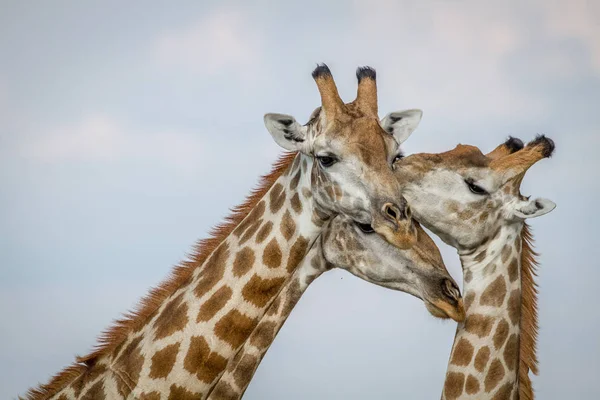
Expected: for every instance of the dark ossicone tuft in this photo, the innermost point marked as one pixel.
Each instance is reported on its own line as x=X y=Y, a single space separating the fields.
x=542 y=140
x=514 y=144
x=365 y=72
x=322 y=71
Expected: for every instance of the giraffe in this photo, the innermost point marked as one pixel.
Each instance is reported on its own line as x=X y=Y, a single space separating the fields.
x=502 y=330
x=419 y=271
x=178 y=341
x=473 y=202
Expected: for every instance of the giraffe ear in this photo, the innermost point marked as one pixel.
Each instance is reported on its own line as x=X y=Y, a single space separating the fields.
x=533 y=208
x=401 y=123
x=287 y=132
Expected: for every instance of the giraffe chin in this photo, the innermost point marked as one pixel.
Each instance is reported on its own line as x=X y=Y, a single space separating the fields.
x=442 y=309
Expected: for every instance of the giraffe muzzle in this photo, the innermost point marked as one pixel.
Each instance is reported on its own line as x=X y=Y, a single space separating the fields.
x=395 y=225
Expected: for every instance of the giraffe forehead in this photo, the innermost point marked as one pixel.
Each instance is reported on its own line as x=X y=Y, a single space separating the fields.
x=363 y=137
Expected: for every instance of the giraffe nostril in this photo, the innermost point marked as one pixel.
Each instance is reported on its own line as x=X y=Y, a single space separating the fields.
x=450 y=289
x=392 y=212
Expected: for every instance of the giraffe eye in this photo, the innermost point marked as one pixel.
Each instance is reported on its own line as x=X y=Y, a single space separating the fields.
x=399 y=157
x=326 y=161
x=365 y=228
x=474 y=188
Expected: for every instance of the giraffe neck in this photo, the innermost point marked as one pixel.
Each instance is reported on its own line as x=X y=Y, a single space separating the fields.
x=484 y=362
x=185 y=345
x=243 y=366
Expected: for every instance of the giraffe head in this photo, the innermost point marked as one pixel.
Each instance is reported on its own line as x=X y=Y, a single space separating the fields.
x=419 y=271
x=352 y=172
x=464 y=196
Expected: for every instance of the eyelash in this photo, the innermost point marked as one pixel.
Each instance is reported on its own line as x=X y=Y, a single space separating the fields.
x=474 y=188
x=326 y=161
x=365 y=228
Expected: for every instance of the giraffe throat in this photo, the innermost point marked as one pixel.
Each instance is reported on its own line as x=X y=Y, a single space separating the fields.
x=488 y=358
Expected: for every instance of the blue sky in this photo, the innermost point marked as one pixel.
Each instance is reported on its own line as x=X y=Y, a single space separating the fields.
x=128 y=130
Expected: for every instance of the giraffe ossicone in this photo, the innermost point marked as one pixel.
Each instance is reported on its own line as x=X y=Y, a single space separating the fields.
x=353 y=173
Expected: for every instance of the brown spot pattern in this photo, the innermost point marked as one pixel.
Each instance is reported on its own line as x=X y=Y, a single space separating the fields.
x=272 y=254
x=203 y=362
x=472 y=385
x=224 y=391
x=495 y=293
x=163 y=361
x=244 y=260
x=88 y=376
x=264 y=334
x=173 y=318
x=260 y=291
x=494 y=375
x=511 y=352
x=469 y=300
x=181 y=393
x=288 y=226
x=513 y=270
x=277 y=197
x=453 y=387
x=234 y=328
x=504 y=392
x=250 y=232
x=514 y=306
x=506 y=251
x=297 y=253
x=150 y=396
x=295 y=180
x=482 y=358
x=483 y=217
x=214 y=304
x=296 y=203
x=468 y=276
x=501 y=333
x=245 y=369
x=254 y=216
x=274 y=307
x=213 y=270
x=293 y=295
x=264 y=232
x=480 y=325
x=96 y=392
x=131 y=361
x=463 y=353
x=479 y=257
x=296 y=164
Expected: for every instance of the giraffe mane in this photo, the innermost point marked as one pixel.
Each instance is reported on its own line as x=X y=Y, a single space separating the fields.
x=529 y=315
x=149 y=304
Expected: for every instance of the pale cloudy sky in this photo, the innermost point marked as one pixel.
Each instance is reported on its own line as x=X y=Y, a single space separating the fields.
x=127 y=130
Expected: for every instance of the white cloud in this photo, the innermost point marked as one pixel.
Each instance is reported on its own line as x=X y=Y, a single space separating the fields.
x=219 y=41
x=99 y=137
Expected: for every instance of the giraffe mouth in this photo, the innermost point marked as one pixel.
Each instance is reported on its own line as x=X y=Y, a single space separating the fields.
x=444 y=309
